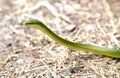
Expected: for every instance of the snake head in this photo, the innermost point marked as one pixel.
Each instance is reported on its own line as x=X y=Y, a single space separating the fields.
x=31 y=22
x=35 y=24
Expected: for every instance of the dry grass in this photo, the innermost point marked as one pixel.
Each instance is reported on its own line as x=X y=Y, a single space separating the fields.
x=29 y=53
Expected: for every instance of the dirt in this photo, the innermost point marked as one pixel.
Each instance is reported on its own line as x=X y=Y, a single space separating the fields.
x=28 y=53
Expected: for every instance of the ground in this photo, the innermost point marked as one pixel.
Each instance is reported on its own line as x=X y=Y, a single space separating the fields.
x=29 y=53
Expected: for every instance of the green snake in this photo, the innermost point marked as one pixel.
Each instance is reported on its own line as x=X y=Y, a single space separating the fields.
x=115 y=53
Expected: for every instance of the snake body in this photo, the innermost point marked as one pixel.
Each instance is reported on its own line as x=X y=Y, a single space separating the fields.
x=115 y=53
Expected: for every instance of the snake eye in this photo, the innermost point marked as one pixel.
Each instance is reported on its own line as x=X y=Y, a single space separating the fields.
x=30 y=23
